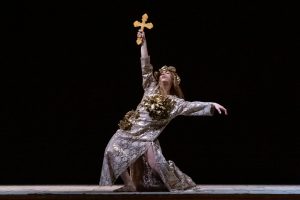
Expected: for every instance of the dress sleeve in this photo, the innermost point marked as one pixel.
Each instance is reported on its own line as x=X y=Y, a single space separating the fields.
x=147 y=72
x=194 y=108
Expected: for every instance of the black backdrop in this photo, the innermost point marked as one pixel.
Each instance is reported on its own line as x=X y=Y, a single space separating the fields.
x=74 y=71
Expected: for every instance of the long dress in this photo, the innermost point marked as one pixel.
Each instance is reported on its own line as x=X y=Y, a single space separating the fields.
x=126 y=149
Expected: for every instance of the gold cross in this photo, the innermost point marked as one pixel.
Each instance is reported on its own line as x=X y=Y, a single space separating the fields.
x=142 y=25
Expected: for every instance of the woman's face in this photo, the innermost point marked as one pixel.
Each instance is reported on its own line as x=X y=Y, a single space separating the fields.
x=165 y=76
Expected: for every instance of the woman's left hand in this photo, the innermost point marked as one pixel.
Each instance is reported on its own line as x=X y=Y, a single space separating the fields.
x=220 y=108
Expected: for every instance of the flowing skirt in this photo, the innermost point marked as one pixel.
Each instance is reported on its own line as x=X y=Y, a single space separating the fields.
x=148 y=168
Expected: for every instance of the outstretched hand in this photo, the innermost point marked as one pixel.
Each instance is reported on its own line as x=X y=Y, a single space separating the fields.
x=220 y=108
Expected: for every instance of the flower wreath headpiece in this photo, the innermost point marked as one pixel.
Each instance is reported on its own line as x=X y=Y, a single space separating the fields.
x=167 y=68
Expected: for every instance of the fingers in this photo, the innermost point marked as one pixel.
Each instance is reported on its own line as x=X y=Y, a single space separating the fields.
x=219 y=111
x=225 y=111
x=220 y=108
x=140 y=33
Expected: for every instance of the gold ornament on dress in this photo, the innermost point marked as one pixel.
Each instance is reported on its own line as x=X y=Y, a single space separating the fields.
x=142 y=24
x=126 y=122
x=158 y=106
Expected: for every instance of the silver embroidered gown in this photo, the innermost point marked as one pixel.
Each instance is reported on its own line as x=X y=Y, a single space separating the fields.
x=126 y=149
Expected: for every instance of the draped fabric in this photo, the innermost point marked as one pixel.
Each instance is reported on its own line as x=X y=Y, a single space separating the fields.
x=127 y=147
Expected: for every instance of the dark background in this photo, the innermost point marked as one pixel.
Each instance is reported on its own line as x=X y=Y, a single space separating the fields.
x=71 y=70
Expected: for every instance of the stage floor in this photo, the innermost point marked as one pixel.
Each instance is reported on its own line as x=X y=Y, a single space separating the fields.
x=95 y=189
x=106 y=192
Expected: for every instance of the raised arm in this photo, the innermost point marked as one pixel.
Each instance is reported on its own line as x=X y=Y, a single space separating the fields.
x=144 y=49
x=147 y=68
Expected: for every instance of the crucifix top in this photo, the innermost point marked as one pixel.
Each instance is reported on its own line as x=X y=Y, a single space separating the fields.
x=142 y=24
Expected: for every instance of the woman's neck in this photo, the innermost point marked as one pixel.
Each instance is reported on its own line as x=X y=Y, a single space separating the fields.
x=164 y=89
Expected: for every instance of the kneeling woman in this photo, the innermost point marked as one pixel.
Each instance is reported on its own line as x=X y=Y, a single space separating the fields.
x=134 y=152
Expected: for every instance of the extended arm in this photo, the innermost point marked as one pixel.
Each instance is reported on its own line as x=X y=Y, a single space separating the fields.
x=198 y=108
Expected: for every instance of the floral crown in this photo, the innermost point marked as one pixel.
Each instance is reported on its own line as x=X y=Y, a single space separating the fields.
x=170 y=69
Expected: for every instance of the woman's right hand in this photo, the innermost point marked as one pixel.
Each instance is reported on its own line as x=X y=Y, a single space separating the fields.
x=141 y=34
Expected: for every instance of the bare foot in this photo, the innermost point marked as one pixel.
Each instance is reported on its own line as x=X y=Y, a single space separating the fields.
x=126 y=188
